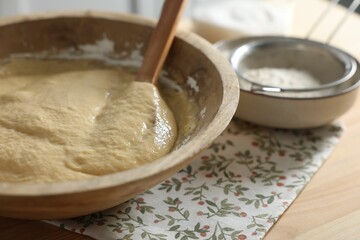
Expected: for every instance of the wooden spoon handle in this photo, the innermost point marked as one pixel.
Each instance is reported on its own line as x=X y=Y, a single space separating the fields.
x=160 y=41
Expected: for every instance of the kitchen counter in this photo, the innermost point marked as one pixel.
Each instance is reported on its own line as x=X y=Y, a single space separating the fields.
x=329 y=207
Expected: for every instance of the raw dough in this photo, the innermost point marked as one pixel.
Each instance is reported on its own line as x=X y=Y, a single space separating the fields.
x=66 y=120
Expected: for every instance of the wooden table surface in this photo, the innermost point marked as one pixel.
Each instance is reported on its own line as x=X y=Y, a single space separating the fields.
x=329 y=207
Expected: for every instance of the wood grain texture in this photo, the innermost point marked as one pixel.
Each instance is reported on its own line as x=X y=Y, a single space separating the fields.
x=334 y=193
x=349 y=225
x=160 y=41
x=330 y=202
x=11 y=229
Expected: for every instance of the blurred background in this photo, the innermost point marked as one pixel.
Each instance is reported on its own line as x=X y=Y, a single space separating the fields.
x=215 y=19
x=149 y=8
x=346 y=3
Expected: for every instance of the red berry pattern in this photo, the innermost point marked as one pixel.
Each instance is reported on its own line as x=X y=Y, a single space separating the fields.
x=238 y=187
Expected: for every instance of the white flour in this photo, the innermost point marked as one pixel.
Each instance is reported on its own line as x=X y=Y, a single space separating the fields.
x=102 y=50
x=282 y=77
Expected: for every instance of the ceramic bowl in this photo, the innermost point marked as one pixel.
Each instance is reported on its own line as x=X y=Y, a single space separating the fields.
x=297 y=107
x=216 y=92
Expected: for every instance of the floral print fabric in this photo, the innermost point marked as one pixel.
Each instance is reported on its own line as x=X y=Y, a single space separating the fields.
x=236 y=189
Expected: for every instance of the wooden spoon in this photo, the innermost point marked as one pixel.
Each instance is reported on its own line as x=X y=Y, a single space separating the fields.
x=160 y=41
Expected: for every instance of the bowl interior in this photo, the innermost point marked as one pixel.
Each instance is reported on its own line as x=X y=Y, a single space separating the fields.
x=70 y=32
x=199 y=69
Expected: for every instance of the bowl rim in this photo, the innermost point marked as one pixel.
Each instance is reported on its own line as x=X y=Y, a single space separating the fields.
x=221 y=119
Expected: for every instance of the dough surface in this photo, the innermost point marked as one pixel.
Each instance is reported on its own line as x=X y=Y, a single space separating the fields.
x=67 y=120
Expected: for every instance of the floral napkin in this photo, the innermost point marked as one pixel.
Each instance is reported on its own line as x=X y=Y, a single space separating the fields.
x=236 y=189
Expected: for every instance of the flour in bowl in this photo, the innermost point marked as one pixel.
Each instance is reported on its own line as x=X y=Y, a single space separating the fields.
x=282 y=77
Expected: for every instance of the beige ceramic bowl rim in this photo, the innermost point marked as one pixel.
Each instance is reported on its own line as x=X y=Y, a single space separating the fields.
x=203 y=139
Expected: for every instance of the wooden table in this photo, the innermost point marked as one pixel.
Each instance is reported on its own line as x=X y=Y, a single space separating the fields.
x=329 y=207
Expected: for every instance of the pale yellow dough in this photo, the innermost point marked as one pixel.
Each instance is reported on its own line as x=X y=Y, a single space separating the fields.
x=69 y=120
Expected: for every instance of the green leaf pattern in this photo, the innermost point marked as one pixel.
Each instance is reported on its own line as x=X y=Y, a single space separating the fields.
x=236 y=189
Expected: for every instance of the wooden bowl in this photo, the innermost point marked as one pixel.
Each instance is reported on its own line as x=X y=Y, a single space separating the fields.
x=189 y=56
